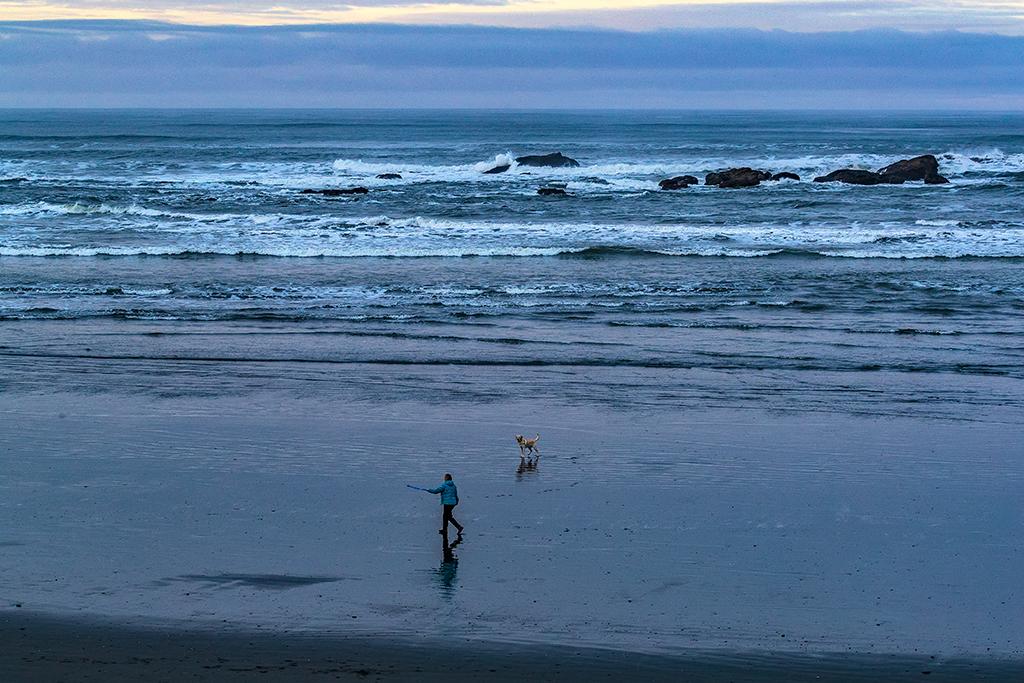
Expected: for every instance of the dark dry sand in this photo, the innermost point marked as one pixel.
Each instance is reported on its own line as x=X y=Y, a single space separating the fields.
x=41 y=648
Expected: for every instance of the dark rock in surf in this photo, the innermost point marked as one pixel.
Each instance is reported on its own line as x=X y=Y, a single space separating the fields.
x=554 y=160
x=596 y=181
x=333 y=192
x=737 y=177
x=389 y=176
x=498 y=169
x=851 y=176
x=552 y=192
x=747 y=180
x=924 y=167
x=785 y=175
x=680 y=182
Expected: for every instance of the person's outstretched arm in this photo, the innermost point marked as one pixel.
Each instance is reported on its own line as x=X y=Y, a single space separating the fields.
x=436 y=490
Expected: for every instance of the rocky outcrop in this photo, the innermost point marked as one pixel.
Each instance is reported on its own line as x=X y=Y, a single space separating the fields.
x=331 y=192
x=912 y=169
x=737 y=177
x=785 y=175
x=851 y=176
x=389 y=176
x=680 y=182
x=554 y=160
x=552 y=192
x=498 y=169
x=924 y=167
x=742 y=180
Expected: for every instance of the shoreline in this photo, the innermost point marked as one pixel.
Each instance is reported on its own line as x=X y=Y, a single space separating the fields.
x=37 y=646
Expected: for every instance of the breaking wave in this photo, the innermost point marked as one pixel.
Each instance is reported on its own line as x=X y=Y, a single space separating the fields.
x=587 y=252
x=952 y=163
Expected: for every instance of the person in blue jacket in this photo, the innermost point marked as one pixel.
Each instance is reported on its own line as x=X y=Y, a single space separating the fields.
x=449 y=499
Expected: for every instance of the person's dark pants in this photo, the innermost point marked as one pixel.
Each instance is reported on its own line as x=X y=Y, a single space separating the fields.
x=447 y=517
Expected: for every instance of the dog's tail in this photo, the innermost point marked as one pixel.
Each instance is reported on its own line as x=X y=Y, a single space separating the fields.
x=537 y=438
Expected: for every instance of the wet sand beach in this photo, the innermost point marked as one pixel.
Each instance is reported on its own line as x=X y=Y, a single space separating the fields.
x=163 y=488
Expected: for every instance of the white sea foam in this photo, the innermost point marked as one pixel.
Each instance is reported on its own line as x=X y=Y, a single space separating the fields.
x=506 y=159
x=299 y=174
x=938 y=223
x=992 y=160
x=83 y=290
x=966 y=167
x=980 y=251
x=142 y=230
x=102 y=208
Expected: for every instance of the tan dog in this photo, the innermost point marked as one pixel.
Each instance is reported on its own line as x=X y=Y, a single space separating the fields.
x=527 y=445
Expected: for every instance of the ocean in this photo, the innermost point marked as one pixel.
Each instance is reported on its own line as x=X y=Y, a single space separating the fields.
x=781 y=418
x=199 y=216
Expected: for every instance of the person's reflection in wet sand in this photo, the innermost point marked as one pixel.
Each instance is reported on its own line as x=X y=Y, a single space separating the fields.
x=527 y=465
x=449 y=564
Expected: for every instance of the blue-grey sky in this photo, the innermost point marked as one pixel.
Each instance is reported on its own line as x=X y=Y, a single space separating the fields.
x=139 y=63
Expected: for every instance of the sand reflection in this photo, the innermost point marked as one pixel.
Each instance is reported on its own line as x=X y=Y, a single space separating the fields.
x=446 y=572
x=527 y=466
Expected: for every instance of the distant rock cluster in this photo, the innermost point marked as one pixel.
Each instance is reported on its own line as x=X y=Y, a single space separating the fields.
x=922 y=168
x=731 y=178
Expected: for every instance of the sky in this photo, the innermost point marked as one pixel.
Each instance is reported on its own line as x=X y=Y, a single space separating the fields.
x=708 y=54
x=996 y=16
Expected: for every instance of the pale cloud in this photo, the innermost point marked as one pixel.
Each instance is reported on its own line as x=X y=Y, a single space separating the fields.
x=92 y=37
x=997 y=16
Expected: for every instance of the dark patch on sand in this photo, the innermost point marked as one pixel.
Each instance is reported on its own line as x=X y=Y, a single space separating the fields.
x=44 y=648
x=263 y=581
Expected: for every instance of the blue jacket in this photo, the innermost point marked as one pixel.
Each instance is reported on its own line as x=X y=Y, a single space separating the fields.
x=449 y=494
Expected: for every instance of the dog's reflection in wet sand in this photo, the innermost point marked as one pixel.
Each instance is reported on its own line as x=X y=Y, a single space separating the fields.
x=527 y=465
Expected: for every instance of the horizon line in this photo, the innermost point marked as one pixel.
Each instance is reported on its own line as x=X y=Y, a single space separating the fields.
x=535 y=110
x=98 y=22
